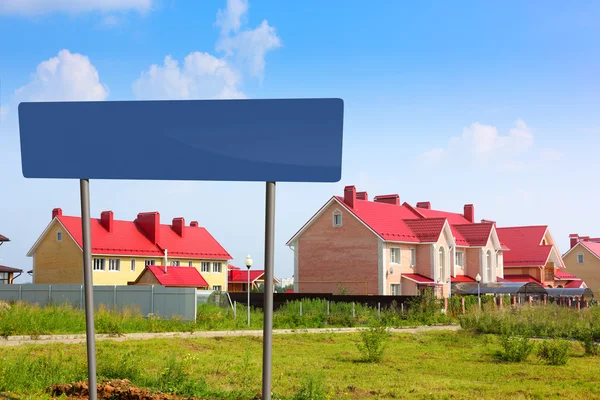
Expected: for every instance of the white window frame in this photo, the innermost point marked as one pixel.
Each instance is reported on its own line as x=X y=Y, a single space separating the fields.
x=413 y=257
x=190 y=263
x=460 y=264
x=148 y=263
x=582 y=258
x=175 y=263
x=337 y=214
x=442 y=264
x=205 y=266
x=489 y=267
x=114 y=265
x=132 y=267
x=217 y=288
x=397 y=286
x=99 y=264
x=215 y=269
x=393 y=258
x=59 y=236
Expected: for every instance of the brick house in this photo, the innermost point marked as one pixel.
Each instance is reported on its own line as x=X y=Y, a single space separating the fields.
x=121 y=250
x=533 y=255
x=7 y=274
x=385 y=247
x=583 y=260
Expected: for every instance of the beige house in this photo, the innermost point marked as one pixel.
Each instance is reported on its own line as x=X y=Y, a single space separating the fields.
x=583 y=260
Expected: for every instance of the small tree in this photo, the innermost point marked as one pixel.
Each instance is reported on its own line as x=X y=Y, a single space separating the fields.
x=373 y=342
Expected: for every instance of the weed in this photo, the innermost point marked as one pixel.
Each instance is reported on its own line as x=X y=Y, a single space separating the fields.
x=554 y=352
x=312 y=388
x=515 y=348
x=373 y=342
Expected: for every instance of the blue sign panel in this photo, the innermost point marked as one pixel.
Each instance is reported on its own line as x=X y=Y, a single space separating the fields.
x=286 y=140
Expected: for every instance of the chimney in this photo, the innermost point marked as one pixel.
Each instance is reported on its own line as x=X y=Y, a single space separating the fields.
x=362 y=196
x=388 y=198
x=57 y=212
x=194 y=224
x=469 y=213
x=350 y=196
x=149 y=223
x=106 y=220
x=424 y=204
x=178 y=226
x=574 y=239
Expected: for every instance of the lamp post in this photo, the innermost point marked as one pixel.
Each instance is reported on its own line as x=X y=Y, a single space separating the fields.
x=478 y=279
x=248 y=265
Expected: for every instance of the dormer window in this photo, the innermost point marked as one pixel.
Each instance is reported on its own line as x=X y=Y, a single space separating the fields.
x=337 y=219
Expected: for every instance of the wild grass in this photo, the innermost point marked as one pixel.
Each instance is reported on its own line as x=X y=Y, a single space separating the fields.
x=433 y=365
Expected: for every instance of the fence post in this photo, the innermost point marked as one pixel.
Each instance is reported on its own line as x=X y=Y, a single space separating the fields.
x=49 y=293
x=530 y=300
x=462 y=304
x=327 y=307
x=152 y=299
x=578 y=304
x=379 y=310
x=569 y=302
x=235 y=310
x=300 y=307
x=500 y=303
x=353 y=312
x=20 y=292
x=587 y=304
x=114 y=296
x=81 y=298
x=445 y=305
x=402 y=308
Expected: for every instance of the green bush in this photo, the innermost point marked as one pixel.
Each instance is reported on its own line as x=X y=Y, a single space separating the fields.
x=312 y=388
x=373 y=342
x=515 y=348
x=554 y=352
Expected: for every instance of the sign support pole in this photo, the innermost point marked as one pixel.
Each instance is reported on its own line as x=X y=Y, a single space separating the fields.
x=268 y=299
x=88 y=287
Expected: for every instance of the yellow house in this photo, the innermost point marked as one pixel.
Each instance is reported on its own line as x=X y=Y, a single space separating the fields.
x=121 y=250
x=583 y=261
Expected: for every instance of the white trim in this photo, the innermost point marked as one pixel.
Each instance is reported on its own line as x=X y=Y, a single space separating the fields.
x=584 y=246
x=380 y=268
x=296 y=285
x=45 y=232
x=320 y=212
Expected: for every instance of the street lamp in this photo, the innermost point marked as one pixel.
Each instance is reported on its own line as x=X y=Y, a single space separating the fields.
x=248 y=265
x=478 y=279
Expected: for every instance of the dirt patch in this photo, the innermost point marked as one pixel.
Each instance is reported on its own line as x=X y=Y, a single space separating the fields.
x=114 y=389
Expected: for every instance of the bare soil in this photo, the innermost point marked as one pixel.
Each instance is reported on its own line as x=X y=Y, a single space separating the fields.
x=114 y=389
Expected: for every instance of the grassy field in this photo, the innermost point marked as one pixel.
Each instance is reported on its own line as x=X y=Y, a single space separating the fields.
x=440 y=365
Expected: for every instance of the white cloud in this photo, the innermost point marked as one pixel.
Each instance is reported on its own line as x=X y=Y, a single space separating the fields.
x=548 y=154
x=201 y=76
x=251 y=46
x=205 y=76
x=230 y=19
x=485 y=141
x=68 y=76
x=39 y=7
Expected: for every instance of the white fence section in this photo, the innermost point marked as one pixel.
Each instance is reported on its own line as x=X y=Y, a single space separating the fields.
x=161 y=301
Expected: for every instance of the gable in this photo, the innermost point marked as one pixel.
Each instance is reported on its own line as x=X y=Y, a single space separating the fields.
x=50 y=232
x=571 y=256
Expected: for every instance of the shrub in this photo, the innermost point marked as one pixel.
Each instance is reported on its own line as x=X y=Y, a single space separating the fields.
x=312 y=388
x=515 y=348
x=554 y=352
x=373 y=342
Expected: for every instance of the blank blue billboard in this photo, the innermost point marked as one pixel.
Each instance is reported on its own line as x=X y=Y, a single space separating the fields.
x=282 y=140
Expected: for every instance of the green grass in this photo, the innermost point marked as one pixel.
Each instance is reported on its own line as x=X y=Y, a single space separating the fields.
x=436 y=365
x=33 y=320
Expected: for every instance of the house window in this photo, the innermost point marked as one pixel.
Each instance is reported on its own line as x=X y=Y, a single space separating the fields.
x=441 y=265
x=132 y=265
x=190 y=264
x=217 y=267
x=205 y=267
x=549 y=274
x=3 y=278
x=114 y=264
x=395 y=289
x=337 y=219
x=59 y=236
x=580 y=258
x=395 y=255
x=149 y=262
x=99 y=264
x=459 y=259
x=175 y=263
x=488 y=266
x=217 y=288
x=413 y=257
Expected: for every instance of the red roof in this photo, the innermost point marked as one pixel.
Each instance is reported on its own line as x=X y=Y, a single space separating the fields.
x=461 y=278
x=574 y=284
x=525 y=245
x=178 y=276
x=230 y=267
x=289 y=291
x=9 y=269
x=127 y=238
x=242 y=276
x=518 y=278
x=591 y=246
x=419 y=279
x=4 y=239
x=564 y=276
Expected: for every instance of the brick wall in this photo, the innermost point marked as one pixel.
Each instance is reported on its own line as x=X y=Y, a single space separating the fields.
x=329 y=255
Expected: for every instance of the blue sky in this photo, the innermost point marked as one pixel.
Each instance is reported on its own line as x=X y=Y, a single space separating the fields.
x=494 y=105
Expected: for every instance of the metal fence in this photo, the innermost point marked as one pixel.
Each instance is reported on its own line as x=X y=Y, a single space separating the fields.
x=161 y=301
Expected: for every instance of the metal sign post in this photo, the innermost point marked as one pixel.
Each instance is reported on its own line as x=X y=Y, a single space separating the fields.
x=88 y=285
x=266 y=140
